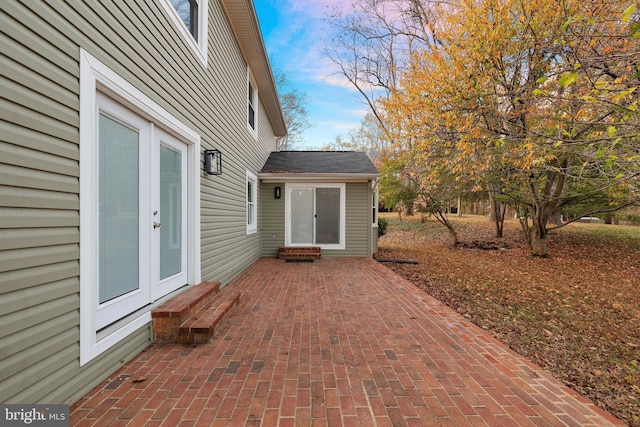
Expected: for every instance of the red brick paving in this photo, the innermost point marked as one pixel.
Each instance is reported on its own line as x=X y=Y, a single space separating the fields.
x=338 y=342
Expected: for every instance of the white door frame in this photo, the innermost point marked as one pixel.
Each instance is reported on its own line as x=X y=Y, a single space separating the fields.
x=96 y=81
x=289 y=187
x=161 y=287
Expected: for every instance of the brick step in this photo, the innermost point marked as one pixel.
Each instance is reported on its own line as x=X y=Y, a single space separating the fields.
x=193 y=316
x=297 y=253
x=200 y=328
x=188 y=302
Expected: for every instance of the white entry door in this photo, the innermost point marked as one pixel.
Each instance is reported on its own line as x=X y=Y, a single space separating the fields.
x=142 y=223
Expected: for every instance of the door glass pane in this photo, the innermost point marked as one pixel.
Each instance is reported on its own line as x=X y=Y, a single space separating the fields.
x=170 y=212
x=302 y=216
x=327 y=215
x=118 y=209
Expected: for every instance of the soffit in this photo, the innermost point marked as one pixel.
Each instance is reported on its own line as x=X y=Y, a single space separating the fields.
x=243 y=19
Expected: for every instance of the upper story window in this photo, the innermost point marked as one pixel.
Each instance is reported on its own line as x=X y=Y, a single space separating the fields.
x=190 y=17
x=252 y=105
x=188 y=12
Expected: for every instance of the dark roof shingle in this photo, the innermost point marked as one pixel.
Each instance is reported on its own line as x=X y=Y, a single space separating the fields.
x=329 y=162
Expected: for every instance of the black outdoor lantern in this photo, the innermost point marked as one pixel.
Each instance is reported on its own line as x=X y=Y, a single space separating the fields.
x=213 y=162
x=277 y=193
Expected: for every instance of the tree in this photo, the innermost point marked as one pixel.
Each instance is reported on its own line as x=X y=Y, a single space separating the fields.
x=293 y=103
x=371 y=44
x=369 y=137
x=534 y=100
x=396 y=190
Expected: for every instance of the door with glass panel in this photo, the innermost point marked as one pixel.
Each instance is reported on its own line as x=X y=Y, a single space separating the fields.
x=315 y=216
x=170 y=219
x=142 y=226
x=123 y=213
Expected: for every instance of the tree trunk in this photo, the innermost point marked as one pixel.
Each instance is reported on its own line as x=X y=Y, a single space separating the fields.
x=556 y=218
x=493 y=211
x=539 y=239
x=453 y=236
x=441 y=217
x=459 y=206
x=540 y=245
x=496 y=214
x=607 y=218
x=409 y=210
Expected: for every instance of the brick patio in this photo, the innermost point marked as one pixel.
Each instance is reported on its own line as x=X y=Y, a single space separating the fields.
x=335 y=342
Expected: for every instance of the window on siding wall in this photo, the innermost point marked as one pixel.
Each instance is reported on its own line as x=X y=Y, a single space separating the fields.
x=252 y=105
x=252 y=195
x=188 y=12
x=190 y=17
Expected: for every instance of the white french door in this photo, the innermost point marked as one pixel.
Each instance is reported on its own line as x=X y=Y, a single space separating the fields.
x=142 y=223
x=170 y=218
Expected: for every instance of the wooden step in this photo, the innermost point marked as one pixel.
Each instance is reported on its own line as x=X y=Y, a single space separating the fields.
x=193 y=316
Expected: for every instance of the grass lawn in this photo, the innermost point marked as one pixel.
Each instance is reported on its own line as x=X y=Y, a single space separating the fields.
x=575 y=313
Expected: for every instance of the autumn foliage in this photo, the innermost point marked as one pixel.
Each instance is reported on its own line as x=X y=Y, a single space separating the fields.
x=535 y=101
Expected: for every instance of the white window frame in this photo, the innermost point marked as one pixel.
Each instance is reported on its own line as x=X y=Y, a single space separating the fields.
x=374 y=189
x=199 y=47
x=252 y=208
x=253 y=89
x=343 y=212
x=95 y=77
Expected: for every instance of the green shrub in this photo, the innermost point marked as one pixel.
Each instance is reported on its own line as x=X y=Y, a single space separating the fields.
x=382 y=226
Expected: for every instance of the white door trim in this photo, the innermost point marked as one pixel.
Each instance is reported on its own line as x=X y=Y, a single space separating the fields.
x=289 y=187
x=95 y=78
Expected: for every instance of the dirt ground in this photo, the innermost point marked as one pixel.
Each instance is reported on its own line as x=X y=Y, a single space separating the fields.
x=575 y=313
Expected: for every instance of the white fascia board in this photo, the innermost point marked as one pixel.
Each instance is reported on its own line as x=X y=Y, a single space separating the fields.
x=316 y=177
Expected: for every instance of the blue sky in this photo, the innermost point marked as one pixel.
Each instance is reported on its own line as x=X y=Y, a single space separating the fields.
x=294 y=33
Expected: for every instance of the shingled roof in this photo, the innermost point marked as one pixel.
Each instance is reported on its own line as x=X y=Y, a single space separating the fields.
x=320 y=162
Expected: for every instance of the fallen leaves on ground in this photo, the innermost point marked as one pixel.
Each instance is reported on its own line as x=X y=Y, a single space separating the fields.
x=575 y=313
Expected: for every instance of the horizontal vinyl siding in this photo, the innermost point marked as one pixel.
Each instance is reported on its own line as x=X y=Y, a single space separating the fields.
x=39 y=236
x=39 y=170
x=358 y=221
x=272 y=219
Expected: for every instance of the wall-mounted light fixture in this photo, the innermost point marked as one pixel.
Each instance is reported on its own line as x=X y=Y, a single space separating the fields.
x=277 y=193
x=213 y=162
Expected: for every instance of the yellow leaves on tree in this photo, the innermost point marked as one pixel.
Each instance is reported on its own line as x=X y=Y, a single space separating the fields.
x=528 y=96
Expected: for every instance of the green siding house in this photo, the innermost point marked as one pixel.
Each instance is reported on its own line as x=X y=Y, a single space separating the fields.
x=323 y=199
x=135 y=163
